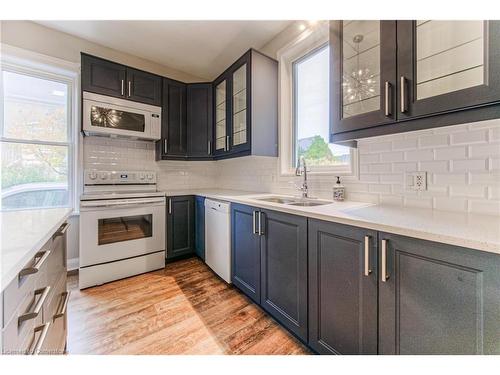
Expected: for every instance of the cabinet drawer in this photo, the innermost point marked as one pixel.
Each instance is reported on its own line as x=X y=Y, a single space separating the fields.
x=23 y=287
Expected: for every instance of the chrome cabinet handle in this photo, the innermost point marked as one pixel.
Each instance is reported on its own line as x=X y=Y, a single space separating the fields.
x=42 y=255
x=64 y=306
x=254 y=231
x=227 y=143
x=123 y=87
x=129 y=88
x=165 y=146
x=41 y=339
x=368 y=271
x=261 y=231
x=62 y=230
x=209 y=147
x=38 y=306
x=385 y=275
x=403 y=95
x=170 y=206
x=388 y=97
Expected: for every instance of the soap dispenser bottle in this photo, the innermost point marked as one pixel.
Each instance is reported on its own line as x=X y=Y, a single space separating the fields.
x=338 y=191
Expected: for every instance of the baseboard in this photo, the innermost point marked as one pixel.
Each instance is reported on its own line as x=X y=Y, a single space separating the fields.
x=73 y=264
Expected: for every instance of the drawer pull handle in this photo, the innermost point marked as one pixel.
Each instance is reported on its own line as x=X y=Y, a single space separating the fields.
x=253 y=223
x=62 y=230
x=385 y=275
x=43 y=335
x=64 y=306
x=38 y=306
x=368 y=271
x=42 y=257
x=403 y=98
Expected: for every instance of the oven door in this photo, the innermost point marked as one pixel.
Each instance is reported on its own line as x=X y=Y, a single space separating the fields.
x=117 y=229
x=115 y=119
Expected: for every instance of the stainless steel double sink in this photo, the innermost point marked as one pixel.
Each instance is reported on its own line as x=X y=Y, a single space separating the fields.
x=304 y=202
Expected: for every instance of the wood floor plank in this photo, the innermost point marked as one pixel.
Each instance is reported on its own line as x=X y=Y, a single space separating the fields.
x=182 y=309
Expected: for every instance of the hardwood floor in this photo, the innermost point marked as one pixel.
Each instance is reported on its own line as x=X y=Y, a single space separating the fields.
x=183 y=309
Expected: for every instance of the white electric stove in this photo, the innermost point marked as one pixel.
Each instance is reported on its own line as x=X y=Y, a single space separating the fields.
x=122 y=226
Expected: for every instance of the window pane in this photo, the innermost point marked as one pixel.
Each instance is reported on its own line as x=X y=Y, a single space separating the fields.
x=34 y=108
x=34 y=175
x=311 y=104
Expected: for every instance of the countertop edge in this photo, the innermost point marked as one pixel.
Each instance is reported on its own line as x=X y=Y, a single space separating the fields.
x=9 y=276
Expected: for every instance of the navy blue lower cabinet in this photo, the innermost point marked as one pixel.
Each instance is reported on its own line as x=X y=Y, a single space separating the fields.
x=437 y=299
x=284 y=269
x=342 y=289
x=180 y=226
x=199 y=226
x=245 y=251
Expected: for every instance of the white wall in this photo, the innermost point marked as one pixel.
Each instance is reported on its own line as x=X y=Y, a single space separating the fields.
x=462 y=161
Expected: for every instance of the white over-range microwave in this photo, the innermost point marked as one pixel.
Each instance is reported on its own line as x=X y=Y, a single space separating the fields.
x=108 y=116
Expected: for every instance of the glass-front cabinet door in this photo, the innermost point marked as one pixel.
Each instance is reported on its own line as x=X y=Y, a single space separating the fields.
x=239 y=96
x=446 y=65
x=363 y=73
x=221 y=107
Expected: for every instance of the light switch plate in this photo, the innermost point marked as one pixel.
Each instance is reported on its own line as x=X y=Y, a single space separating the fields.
x=416 y=181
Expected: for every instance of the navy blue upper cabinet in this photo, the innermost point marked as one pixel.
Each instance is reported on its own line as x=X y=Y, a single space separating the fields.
x=245 y=250
x=437 y=299
x=396 y=76
x=342 y=289
x=284 y=269
x=113 y=79
x=199 y=120
x=103 y=76
x=246 y=108
x=180 y=226
x=143 y=87
x=363 y=74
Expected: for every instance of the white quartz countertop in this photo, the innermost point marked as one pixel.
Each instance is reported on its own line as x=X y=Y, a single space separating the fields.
x=24 y=232
x=479 y=232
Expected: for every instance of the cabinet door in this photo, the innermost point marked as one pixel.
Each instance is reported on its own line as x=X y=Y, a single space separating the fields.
x=245 y=251
x=199 y=234
x=342 y=289
x=174 y=129
x=180 y=226
x=199 y=120
x=143 y=87
x=284 y=269
x=239 y=137
x=363 y=74
x=222 y=110
x=102 y=76
x=447 y=65
x=437 y=299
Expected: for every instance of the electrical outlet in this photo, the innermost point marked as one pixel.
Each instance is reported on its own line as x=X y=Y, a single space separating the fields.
x=416 y=181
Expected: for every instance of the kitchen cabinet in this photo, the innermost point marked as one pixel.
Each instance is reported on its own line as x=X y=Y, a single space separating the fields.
x=109 y=78
x=199 y=224
x=199 y=120
x=342 y=289
x=395 y=76
x=245 y=250
x=173 y=143
x=180 y=226
x=283 y=269
x=143 y=87
x=246 y=108
x=436 y=298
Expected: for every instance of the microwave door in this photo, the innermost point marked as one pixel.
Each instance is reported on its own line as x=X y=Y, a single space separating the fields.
x=105 y=117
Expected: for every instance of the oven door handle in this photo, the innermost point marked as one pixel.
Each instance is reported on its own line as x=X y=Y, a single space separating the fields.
x=121 y=203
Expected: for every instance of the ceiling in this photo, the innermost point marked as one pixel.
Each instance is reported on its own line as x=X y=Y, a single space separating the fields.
x=201 y=48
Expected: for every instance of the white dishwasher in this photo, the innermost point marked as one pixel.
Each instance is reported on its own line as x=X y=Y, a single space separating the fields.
x=218 y=237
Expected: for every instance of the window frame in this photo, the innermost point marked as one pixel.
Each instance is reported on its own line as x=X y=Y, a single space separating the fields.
x=20 y=61
x=310 y=41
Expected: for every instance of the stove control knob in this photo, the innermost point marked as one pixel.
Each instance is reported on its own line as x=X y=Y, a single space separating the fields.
x=150 y=176
x=141 y=176
x=93 y=175
x=103 y=175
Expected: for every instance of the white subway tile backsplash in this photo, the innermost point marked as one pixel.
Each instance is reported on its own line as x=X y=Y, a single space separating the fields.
x=434 y=140
x=434 y=166
x=419 y=155
x=449 y=153
x=484 y=150
x=405 y=144
x=469 y=165
x=390 y=157
x=467 y=137
x=380 y=168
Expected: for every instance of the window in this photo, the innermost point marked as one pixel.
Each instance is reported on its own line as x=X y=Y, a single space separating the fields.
x=311 y=114
x=36 y=139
